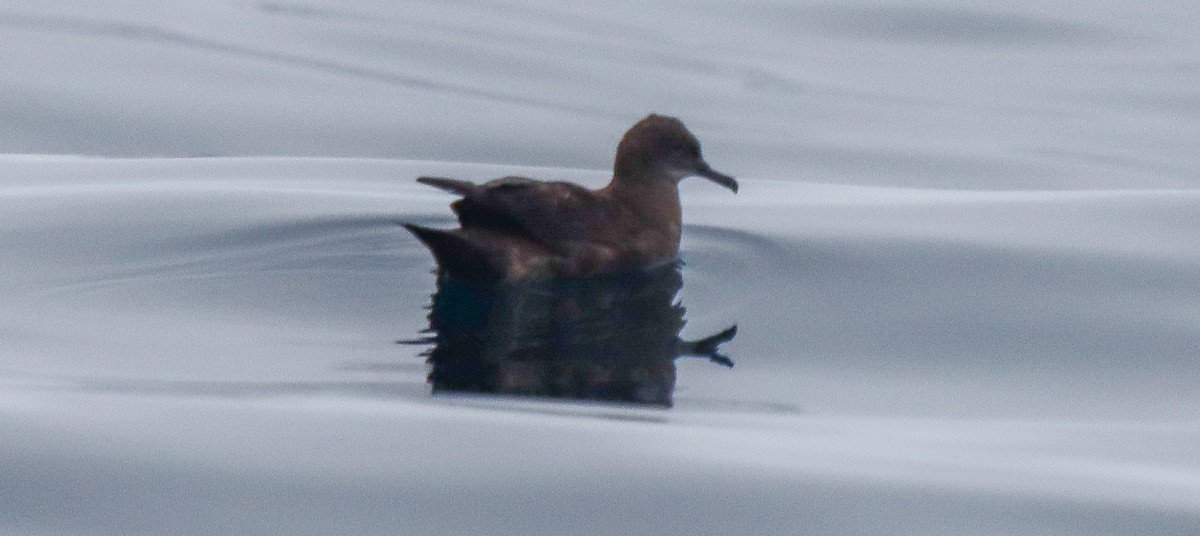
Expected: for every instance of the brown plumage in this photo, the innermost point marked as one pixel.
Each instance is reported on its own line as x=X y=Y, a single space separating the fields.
x=516 y=228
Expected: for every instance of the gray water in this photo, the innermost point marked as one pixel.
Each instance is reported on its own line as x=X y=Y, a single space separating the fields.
x=962 y=264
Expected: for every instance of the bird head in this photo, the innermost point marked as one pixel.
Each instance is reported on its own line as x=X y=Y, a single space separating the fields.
x=661 y=148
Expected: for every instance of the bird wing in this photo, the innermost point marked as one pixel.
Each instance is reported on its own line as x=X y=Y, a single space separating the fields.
x=551 y=213
x=454 y=186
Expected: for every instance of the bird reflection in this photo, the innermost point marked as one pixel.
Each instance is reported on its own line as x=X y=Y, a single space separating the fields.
x=613 y=337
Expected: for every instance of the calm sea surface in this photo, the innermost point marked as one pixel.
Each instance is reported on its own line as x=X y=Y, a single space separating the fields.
x=962 y=266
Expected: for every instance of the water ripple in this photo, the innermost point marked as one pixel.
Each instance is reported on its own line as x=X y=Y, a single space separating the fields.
x=946 y=25
x=143 y=32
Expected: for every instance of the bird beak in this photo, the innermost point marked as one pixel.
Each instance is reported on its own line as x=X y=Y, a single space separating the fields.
x=719 y=178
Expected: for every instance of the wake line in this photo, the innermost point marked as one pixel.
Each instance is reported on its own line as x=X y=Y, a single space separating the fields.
x=141 y=32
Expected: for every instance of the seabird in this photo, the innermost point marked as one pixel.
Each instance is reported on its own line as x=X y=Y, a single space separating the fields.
x=518 y=229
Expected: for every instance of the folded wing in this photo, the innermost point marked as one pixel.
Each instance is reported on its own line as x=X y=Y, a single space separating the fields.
x=554 y=214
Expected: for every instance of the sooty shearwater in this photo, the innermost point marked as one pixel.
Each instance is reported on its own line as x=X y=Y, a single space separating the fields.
x=519 y=229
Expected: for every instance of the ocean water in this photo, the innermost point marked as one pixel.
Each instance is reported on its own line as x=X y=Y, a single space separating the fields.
x=962 y=266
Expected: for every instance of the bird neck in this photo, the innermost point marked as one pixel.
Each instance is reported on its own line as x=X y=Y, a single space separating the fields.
x=655 y=203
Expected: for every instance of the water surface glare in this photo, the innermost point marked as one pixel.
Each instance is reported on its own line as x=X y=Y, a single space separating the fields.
x=962 y=264
x=192 y=321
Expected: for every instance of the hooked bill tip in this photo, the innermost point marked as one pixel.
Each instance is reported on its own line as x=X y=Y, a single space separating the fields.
x=719 y=178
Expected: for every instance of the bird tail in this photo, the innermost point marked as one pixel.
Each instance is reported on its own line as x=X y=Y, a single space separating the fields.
x=454 y=186
x=455 y=254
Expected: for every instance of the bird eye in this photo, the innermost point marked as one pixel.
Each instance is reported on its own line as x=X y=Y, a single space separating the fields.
x=683 y=150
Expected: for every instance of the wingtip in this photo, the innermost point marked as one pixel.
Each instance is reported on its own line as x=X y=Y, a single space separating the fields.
x=455 y=186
